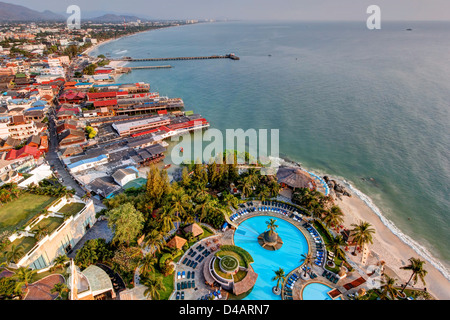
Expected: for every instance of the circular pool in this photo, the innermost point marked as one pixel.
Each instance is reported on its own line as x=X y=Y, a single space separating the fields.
x=266 y=261
x=317 y=291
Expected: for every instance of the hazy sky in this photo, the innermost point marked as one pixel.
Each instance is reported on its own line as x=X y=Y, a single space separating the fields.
x=256 y=9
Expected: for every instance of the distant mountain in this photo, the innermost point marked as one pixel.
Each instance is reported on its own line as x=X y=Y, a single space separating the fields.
x=114 y=18
x=11 y=12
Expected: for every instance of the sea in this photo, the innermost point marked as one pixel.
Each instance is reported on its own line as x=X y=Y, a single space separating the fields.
x=370 y=107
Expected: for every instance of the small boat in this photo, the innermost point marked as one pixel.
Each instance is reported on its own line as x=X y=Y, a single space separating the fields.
x=409 y=29
x=181 y=149
x=167 y=166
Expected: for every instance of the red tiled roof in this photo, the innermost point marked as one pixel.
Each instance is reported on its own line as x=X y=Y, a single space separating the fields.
x=23 y=152
x=100 y=95
x=105 y=103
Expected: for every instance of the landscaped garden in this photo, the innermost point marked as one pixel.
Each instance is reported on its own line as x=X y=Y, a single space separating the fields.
x=16 y=213
x=72 y=208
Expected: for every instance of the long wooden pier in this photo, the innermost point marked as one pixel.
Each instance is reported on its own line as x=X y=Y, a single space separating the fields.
x=151 y=67
x=227 y=56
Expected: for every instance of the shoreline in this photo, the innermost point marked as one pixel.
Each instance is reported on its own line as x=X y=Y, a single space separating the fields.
x=388 y=245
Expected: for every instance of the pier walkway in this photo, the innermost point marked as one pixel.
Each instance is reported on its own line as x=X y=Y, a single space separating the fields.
x=227 y=56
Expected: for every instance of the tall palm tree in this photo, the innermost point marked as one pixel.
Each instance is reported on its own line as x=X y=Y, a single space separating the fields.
x=61 y=289
x=388 y=288
x=154 y=285
x=14 y=254
x=154 y=239
x=271 y=225
x=418 y=271
x=231 y=201
x=279 y=277
x=40 y=232
x=246 y=186
x=59 y=262
x=201 y=209
x=148 y=264
x=263 y=193
x=362 y=234
x=307 y=261
x=167 y=220
x=335 y=242
x=23 y=276
x=181 y=203
x=334 y=217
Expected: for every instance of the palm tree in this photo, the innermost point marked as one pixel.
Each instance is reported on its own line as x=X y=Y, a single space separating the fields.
x=264 y=192
x=154 y=239
x=154 y=285
x=61 y=289
x=167 y=218
x=201 y=193
x=23 y=276
x=418 y=272
x=202 y=209
x=271 y=226
x=334 y=217
x=279 y=277
x=335 y=242
x=246 y=186
x=59 y=262
x=307 y=261
x=40 y=232
x=14 y=254
x=181 y=203
x=231 y=201
x=148 y=264
x=388 y=288
x=362 y=234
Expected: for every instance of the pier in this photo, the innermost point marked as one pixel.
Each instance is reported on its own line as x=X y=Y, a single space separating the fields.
x=227 y=56
x=151 y=67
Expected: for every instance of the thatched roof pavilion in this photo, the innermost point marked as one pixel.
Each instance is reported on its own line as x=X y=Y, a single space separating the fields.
x=194 y=228
x=176 y=242
x=295 y=178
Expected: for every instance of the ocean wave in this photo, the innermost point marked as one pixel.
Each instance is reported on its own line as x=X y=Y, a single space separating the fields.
x=419 y=249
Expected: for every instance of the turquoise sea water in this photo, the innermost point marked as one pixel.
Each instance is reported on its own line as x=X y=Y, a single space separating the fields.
x=266 y=262
x=349 y=102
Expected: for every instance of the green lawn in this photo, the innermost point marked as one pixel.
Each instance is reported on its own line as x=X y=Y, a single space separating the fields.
x=71 y=209
x=17 y=213
x=27 y=243
x=49 y=223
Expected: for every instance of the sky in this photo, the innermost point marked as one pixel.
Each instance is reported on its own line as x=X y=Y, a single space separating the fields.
x=332 y=10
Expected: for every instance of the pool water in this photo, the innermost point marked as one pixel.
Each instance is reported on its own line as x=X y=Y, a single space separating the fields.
x=317 y=291
x=266 y=262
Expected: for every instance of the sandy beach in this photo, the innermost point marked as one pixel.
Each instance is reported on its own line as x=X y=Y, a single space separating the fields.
x=389 y=247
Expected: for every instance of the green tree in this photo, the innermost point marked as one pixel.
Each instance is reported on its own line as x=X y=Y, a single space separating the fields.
x=307 y=260
x=14 y=253
x=23 y=276
x=93 y=251
x=148 y=264
x=362 y=234
x=416 y=265
x=127 y=223
x=388 y=288
x=154 y=239
x=154 y=285
x=271 y=225
x=59 y=262
x=61 y=289
x=279 y=277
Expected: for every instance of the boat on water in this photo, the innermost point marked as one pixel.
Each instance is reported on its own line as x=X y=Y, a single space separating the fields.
x=167 y=166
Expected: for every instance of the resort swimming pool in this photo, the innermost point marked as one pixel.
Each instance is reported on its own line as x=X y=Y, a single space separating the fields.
x=317 y=291
x=266 y=262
